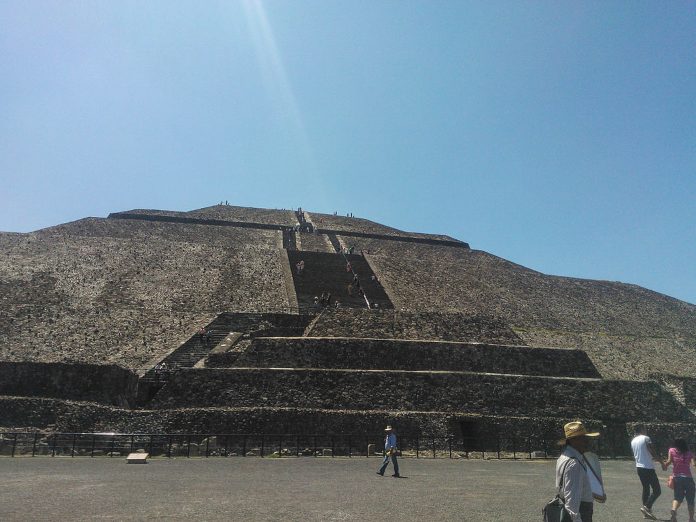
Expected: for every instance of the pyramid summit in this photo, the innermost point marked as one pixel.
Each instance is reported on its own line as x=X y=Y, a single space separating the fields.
x=229 y=319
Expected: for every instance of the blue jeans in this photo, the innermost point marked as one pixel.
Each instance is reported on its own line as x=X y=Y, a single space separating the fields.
x=385 y=462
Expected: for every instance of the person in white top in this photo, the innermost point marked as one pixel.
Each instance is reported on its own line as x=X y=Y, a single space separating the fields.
x=645 y=456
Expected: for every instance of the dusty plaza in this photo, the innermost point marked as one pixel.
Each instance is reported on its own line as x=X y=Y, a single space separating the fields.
x=299 y=489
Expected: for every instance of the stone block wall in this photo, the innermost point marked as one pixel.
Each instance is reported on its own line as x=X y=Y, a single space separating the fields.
x=426 y=325
x=530 y=433
x=310 y=352
x=108 y=384
x=616 y=401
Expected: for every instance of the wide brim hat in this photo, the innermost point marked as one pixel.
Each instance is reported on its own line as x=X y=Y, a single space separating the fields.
x=576 y=429
x=388 y=428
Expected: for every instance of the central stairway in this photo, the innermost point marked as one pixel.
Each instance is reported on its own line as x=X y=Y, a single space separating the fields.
x=326 y=272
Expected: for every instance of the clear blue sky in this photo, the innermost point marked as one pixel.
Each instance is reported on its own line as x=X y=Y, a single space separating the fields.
x=560 y=135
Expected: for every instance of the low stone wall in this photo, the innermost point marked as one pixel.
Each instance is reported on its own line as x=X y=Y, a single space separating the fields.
x=309 y=352
x=532 y=433
x=109 y=384
x=616 y=401
x=392 y=324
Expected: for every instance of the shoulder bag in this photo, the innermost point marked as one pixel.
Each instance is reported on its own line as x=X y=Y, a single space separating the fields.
x=554 y=510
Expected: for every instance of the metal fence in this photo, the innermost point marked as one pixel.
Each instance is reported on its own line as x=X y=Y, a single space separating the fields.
x=24 y=444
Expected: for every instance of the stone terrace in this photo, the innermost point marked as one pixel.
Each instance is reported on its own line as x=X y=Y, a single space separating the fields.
x=432 y=326
x=229 y=213
x=389 y=390
x=628 y=331
x=388 y=354
x=352 y=224
x=123 y=291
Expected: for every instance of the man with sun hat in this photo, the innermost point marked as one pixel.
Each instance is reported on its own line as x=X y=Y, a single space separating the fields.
x=571 y=472
x=389 y=452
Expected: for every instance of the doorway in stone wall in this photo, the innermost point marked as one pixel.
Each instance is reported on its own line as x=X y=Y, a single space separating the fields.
x=470 y=435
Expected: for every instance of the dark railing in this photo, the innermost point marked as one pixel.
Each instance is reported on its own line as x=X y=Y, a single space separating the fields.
x=30 y=444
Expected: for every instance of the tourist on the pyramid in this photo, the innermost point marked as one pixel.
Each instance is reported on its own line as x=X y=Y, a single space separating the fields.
x=645 y=455
x=681 y=459
x=201 y=334
x=389 y=452
x=328 y=298
x=208 y=336
x=572 y=482
x=301 y=265
x=348 y=267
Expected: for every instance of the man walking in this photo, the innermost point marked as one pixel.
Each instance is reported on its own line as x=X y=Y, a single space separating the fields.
x=572 y=481
x=389 y=452
x=645 y=456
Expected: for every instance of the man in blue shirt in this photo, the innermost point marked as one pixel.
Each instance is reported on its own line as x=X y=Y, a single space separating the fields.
x=389 y=451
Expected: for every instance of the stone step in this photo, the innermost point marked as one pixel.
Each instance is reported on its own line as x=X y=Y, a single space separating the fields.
x=396 y=390
x=390 y=354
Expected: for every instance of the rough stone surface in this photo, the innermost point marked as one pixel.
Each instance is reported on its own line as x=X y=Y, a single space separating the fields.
x=109 y=384
x=386 y=354
x=426 y=325
x=121 y=291
x=422 y=391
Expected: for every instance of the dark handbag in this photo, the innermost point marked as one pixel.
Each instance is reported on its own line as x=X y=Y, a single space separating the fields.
x=554 y=510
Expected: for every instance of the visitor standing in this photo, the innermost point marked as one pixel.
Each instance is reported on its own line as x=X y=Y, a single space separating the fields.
x=389 y=452
x=645 y=455
x=572 y=481
x=681 y=459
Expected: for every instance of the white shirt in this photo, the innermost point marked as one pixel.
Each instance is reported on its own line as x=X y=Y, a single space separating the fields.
x=639 y=445
x=576 y=485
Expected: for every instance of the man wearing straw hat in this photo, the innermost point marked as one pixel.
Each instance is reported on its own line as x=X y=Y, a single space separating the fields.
x=389 y=451
x=571 y=472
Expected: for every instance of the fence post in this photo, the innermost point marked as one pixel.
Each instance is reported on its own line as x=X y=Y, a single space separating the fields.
x=244 y=446
x=53 y=453
x=72 y=451
x=169 y=447
x=315 y=446
x=207 y=445
x=297 y=445
x=263 y=443
x=498 y=441
x=449 y=442
x=367 y=446
x=227 y=440
x=417 y=446
x=350 y=452
x=529 y=446
x=14 y=444
x=333 y=446
x=280 y=446
x=33 y=447
x=514 y=448
x=149 y=449
x=91 y=451
x=113 y=443
x=433 y=440
x=188 y=447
